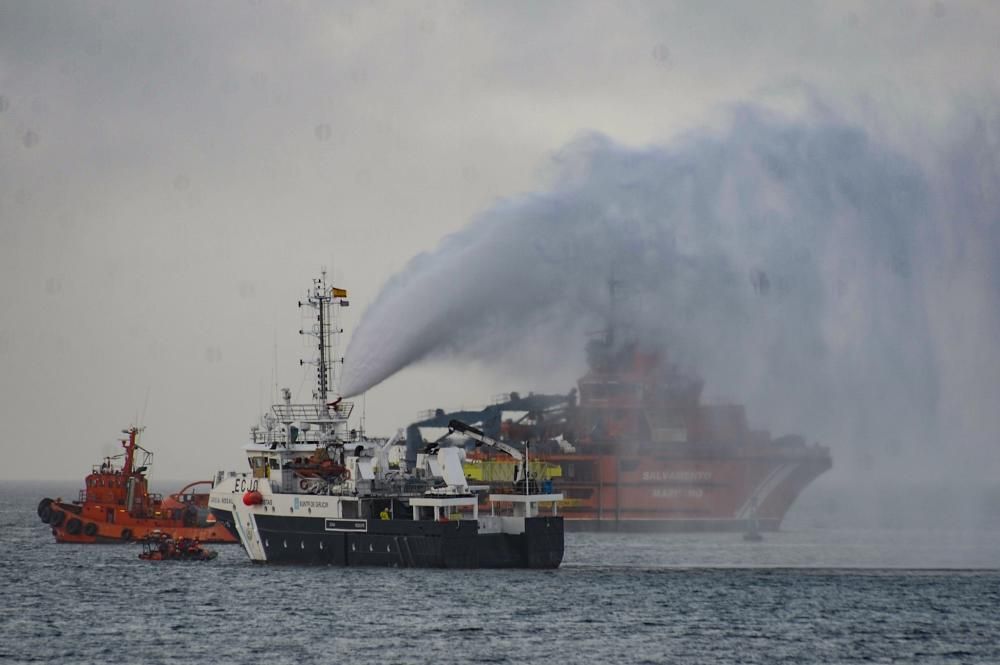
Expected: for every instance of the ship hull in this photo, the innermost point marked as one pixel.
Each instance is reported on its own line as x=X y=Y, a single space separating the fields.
x=685 y=491
x=89 y=524
x=282 y=539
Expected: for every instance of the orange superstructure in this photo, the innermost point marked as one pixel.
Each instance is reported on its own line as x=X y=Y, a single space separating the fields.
x=649 y=454
x=117 y=506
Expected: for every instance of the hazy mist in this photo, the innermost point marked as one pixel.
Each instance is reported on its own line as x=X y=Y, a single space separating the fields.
x=801 y=266
x=172 y=176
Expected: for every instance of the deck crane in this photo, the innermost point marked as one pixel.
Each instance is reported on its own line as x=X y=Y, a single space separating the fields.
x=521 y=475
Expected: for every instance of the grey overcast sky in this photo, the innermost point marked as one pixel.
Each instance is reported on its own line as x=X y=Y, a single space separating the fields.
x=173 y=174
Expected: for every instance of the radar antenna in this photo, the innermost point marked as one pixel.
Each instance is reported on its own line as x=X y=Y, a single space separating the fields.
x=322 y=298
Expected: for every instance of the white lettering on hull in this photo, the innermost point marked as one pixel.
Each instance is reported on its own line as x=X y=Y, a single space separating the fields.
x=309 y=503
x=676 y=476
x=678 y=493
x=346 y=525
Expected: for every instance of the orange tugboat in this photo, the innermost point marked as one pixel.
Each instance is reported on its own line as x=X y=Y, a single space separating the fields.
x=117 y=506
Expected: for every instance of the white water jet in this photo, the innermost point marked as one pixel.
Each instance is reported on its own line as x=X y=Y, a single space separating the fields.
x=800 y=266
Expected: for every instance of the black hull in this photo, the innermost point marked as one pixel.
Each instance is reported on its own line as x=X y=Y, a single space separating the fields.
x=405 y=543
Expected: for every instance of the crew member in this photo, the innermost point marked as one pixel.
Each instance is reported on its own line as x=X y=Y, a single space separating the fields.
x=384 y=514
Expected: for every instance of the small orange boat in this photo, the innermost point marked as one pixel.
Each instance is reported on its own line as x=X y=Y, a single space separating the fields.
x=160 y=546
x=117 y=506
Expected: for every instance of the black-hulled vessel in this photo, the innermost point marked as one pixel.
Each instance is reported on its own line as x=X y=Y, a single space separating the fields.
x=319 y=492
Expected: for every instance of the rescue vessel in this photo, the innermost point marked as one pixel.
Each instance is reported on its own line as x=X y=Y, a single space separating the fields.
x=159 y=546
x=319 y=492
x=116 y=505
x=633 y=448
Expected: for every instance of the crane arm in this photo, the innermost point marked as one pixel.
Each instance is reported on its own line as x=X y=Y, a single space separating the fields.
x=481 y=439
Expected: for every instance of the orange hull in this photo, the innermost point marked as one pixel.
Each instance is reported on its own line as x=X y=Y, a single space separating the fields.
x=91 y=525
x=693 y=489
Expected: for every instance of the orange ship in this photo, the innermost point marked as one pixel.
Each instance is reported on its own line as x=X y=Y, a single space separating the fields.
x=117 y=506
x=635 y=449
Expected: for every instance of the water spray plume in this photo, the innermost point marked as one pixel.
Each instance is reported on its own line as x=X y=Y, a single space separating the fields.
x=798 y=265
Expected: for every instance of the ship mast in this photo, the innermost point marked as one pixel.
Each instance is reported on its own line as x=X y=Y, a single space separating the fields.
x=131 y=465
x=129 y=447
x=322 y=298
x=609 y=336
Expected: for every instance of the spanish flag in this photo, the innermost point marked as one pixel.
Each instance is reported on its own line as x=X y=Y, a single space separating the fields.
x=338 y=293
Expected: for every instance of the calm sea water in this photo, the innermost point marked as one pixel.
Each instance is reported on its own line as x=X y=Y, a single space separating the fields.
x=805 y=595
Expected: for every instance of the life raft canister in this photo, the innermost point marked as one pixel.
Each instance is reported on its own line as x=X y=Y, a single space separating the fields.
x=253 y=498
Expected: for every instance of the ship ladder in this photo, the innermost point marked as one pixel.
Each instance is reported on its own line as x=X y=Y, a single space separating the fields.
x=403 y=547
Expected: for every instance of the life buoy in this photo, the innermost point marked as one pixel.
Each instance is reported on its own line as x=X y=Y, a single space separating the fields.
x=45 y=513
x=126 y=534
x=73 y=526
x=90 y=529
x=43 y=505
x=57 y=518
x=253 y=498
